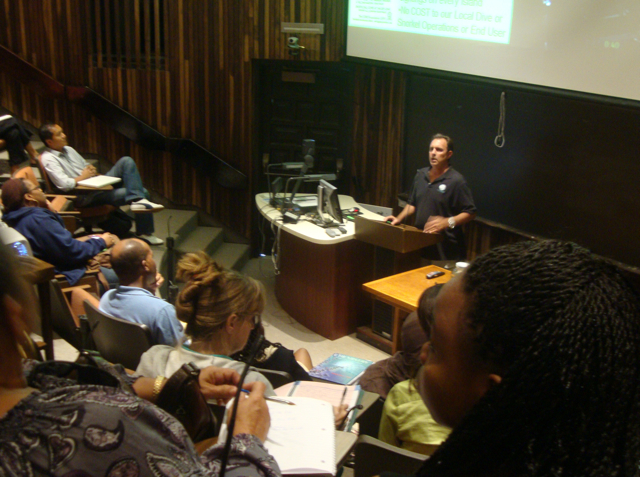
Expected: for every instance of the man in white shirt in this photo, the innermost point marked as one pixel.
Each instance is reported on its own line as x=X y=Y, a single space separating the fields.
x=66 y=168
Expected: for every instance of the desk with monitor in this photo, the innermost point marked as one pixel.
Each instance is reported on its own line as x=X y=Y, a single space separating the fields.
x=320 y=277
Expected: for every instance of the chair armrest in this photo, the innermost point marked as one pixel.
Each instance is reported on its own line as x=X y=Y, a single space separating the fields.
x=53 y=196
x=80 y=189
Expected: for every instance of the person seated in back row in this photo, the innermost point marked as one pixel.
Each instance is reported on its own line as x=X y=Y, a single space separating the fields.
x=65 y=419
x=26 y=209
x=220 y=308
x=16 y=140
x=135 y=299
x=381 y=376
x=533 y=359
x=406 y=422
x=66 y=168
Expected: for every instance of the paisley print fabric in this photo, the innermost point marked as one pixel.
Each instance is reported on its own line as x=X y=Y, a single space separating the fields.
x=71 y=429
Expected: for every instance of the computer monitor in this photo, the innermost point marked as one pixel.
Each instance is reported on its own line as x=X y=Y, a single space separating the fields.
x=328 y=202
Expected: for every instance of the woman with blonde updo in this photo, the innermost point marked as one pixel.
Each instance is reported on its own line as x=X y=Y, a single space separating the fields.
x=220 y=308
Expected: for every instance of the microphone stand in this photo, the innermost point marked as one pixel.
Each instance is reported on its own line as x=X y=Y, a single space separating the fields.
x=172 y=293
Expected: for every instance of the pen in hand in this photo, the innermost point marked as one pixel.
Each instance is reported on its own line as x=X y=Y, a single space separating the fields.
x=274 y=399
x=344 y=393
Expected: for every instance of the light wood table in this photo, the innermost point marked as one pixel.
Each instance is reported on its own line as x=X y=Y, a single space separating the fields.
x=402 y=291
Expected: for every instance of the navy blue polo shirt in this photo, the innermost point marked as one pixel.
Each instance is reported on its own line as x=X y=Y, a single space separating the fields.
x=447 y=196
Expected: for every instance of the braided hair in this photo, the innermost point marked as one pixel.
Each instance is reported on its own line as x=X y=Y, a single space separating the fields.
x=563 y=327
x=211 y=294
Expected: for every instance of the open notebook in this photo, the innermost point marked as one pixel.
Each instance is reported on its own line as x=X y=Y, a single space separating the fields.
x=99 y=181
x=334 y=394
x=301 y=438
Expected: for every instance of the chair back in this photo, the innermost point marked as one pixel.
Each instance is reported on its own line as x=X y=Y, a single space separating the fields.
x=118 y=341
x=372 y=456
x=26 y=173
x=69 y=322
x=59 y=203
x=50 y=188
x=276 y=378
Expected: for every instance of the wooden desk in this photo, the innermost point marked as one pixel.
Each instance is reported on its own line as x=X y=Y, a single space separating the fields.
x=40 y=273
x=402 y=291
x=320 y=279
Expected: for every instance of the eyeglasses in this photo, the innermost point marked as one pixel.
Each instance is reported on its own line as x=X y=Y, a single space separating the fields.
x=36 y=188
x=257 y=319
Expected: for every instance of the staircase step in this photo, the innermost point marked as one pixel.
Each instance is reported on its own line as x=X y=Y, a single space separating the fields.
x=183 y=222
x=232 y=255
x=207 y=239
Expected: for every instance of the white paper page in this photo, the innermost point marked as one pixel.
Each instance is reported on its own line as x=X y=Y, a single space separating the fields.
x=301 y=438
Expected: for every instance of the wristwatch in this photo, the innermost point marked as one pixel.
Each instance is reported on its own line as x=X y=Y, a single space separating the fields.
x=452 y=223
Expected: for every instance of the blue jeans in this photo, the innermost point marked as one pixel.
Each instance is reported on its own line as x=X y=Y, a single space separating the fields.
x=130 y=189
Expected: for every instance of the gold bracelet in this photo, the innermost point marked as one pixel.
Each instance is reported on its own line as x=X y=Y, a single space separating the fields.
x=157 y=386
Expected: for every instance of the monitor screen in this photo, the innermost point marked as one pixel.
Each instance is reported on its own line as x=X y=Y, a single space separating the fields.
x=20 y=249
x=328 y=202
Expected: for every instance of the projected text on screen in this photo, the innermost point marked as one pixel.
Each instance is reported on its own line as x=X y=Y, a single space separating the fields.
x=479 y=20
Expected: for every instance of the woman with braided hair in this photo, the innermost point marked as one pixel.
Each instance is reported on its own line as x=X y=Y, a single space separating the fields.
x=220 y=308
x=534 y=360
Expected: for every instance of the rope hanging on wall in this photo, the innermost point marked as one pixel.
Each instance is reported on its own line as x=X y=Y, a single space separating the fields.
x=500 y=138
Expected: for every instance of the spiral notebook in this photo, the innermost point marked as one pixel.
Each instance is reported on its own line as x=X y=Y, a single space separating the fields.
x=301 y=438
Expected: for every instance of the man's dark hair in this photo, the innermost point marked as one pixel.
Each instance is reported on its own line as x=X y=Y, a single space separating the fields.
x=128 y=262
x=46 y=131
x=562 y=329
x=446 y=138
x=13 y=192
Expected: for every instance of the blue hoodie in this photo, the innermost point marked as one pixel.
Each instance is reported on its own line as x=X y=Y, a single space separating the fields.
x=53 y=243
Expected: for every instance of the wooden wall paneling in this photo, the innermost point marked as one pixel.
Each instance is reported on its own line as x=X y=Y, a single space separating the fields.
x=146 y=24
x=378 y=134
x=98 y=34
x=137 y=33
x=127 y=20
x=5 y=25
x=21 y=22
x=120 y=35
x=205 y=92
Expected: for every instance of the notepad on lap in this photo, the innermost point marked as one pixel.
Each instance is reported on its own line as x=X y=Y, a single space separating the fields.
x=334 y=394
x=99 y=181
x=301 y=438
x=329 y=392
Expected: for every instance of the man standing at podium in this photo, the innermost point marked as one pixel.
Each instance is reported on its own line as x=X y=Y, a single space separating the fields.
x=442 y=202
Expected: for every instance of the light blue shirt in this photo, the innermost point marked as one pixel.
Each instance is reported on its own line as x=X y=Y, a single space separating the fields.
x=63 y=166
x=141 y=306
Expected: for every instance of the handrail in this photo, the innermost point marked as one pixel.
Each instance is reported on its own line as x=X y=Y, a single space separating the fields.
x=122 y=121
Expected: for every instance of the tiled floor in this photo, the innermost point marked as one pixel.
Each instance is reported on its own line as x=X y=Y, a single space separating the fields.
x=279 y=327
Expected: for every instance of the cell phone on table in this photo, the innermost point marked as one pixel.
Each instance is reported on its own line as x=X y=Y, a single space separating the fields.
x=437 y=274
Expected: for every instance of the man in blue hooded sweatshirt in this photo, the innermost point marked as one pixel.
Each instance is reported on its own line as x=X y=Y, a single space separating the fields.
x=27 y=210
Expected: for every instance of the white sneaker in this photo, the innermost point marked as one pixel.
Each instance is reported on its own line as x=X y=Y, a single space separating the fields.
x=143 y=205
x=151 y=239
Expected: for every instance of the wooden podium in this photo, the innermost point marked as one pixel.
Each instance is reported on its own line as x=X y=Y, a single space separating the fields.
x=399 y=238
x=397 y=250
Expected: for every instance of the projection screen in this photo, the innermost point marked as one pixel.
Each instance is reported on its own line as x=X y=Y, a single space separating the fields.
x=590 y=46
